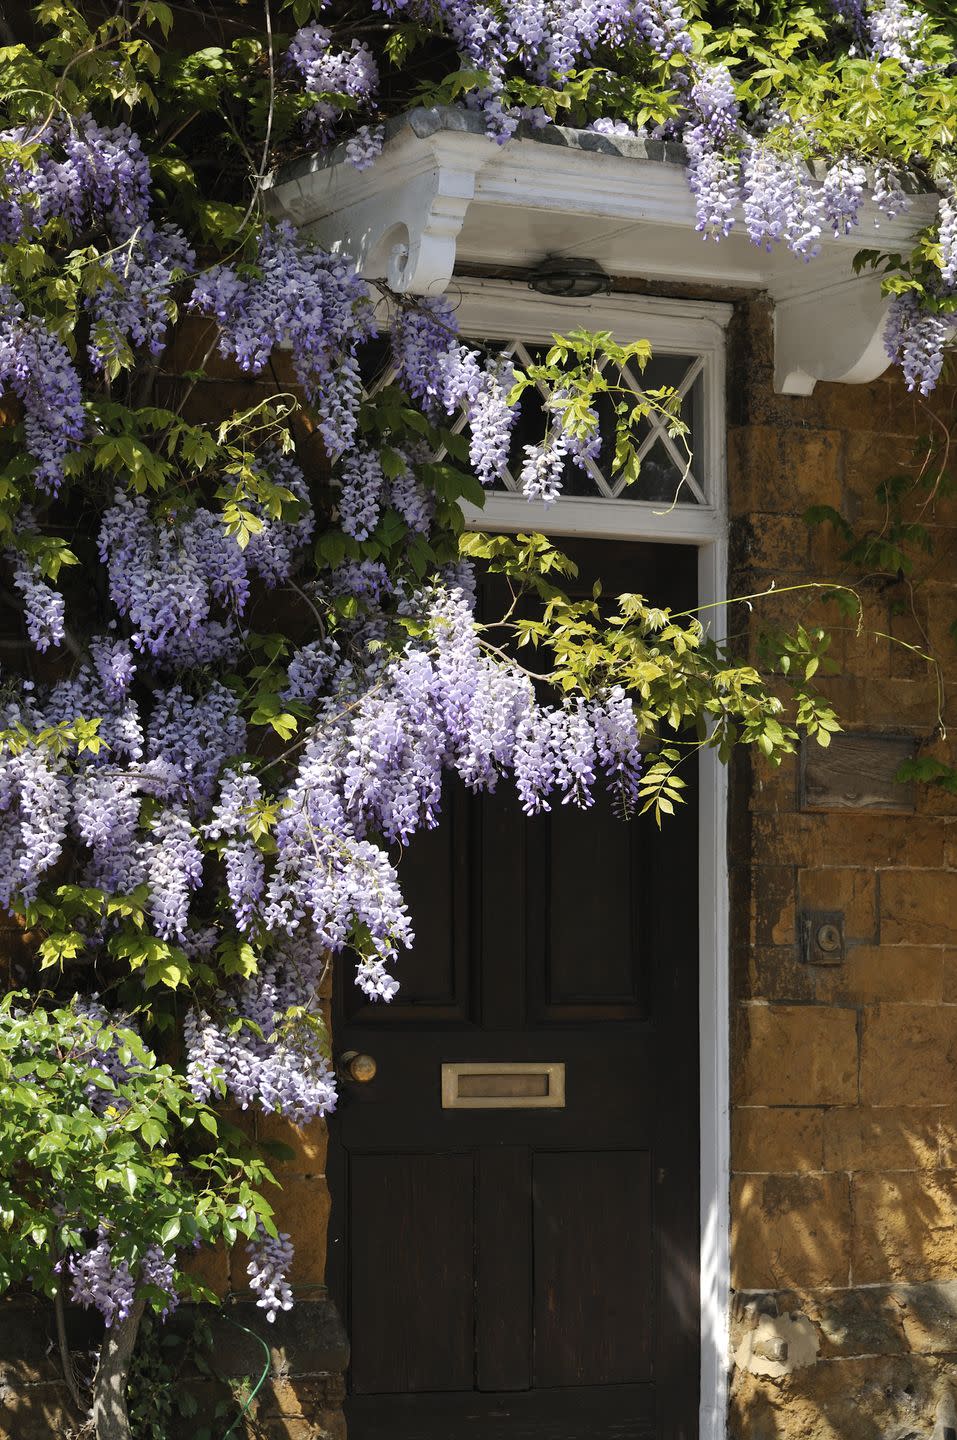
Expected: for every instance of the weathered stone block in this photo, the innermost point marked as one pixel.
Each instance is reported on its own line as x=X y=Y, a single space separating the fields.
x=908 y=1054
x=877 y=412
x=790 y=1230
x=771 y=542
x=305 y=1342
x=880 y=840
x=37 y=1412
x=869 y=458
x=949 y=977
x=910 y=629
x=788 y=839
x=814 y=464
x=210 y=1266
x=775 y=973
x=302 y=1208
x=796 y=1055
x=850 y=840
x=854 y=892
x=774 y=787
x=773 y=905
x=857 y=1322
x=308 y=1143
x=918 y=907
x=947 y=1136
x=264 y=1419
x=849 y=1322
x=904 y=1227
x=301 y=1399
x=873 y=973
x=929 y=1317
x=895 y=1139
x=864 y=690
x=872 y=1398
x=776 y=1140
x=784 y=471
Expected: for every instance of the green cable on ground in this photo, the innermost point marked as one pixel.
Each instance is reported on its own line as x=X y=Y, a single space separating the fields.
x=259 y=1383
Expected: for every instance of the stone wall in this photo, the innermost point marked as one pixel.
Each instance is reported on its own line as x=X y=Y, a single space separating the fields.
x=844 y=1149
x=289 y=1375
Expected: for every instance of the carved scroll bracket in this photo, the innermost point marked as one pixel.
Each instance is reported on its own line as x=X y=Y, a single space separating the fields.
x=400 y=219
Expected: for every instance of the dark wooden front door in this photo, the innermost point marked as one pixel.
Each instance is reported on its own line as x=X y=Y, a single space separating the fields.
x=530 y=1273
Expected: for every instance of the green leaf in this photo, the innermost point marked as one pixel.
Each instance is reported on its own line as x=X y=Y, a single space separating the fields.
x=170 y=1231
x=152 y=1132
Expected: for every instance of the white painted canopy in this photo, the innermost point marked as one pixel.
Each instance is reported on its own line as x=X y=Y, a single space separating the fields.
x=443 y=191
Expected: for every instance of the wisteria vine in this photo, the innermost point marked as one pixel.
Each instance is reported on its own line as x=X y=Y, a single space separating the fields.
x=202 y=798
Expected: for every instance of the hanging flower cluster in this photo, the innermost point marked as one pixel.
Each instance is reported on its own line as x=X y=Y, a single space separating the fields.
x=72 y=170
x=108 y=1285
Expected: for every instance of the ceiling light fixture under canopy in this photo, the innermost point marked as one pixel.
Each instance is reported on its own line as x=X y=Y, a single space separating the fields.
x=569 y=276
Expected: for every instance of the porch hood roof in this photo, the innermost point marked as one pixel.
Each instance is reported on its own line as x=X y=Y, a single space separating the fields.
x=442 y=191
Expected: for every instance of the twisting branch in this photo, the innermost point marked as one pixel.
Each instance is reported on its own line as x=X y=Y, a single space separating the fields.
x=66 y=1360
x=267 y=138
x=111 y=1420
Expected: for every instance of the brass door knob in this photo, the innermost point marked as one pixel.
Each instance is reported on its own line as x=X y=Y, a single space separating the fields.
x=354 y=1066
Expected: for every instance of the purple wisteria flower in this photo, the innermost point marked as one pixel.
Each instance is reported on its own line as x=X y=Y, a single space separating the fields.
x=270 y=1259
x=307 y=299
x=915 y=339
x=445 y=375
x=98 y=1282
x=35 y=365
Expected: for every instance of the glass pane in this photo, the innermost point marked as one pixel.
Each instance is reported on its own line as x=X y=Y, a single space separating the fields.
x=660 y=479
x=661 y=474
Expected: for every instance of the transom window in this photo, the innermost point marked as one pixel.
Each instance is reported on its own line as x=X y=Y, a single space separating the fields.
x=678 y=495
x=668 y=463
x=670 y=500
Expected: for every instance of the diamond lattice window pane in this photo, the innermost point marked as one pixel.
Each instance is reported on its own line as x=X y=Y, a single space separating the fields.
x=671 y=465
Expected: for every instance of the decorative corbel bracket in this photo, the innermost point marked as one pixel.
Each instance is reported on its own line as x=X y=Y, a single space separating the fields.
x=831 y=333
x=400 y=219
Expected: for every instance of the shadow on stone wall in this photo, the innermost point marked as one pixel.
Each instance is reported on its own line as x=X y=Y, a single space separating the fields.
x=844 y=1076
x=34 y=1402
x=844 y=1324
x=300 y=1399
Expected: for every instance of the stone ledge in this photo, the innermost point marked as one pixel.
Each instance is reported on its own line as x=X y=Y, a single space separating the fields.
x=308 y=1340
x=859 y=1321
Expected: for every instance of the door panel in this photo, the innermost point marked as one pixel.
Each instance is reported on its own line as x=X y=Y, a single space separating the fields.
x=593 y=1293
x=520 y=1273
x=438 y=870
x=585 y=863
x=503 y=1270
x=584 y=881
x=413 y=1322
x=615 y=1412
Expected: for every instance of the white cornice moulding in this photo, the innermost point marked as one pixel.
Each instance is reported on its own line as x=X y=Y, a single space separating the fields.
x=442 y=191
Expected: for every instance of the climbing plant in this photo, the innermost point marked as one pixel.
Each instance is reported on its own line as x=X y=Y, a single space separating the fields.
x=247 y=654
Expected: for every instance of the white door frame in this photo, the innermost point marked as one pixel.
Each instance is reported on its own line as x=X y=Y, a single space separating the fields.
x=496 y=309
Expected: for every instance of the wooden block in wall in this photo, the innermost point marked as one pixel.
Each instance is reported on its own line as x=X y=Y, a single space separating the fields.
x=856 y=772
